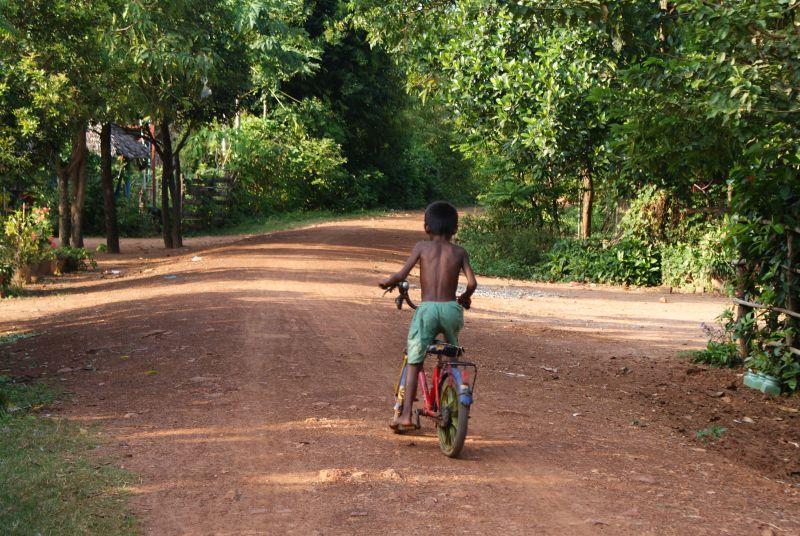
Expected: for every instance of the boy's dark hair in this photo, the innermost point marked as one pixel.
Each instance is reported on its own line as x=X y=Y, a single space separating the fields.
x=441 y=218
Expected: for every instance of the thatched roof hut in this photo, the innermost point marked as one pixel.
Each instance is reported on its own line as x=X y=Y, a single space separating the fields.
x=123 y=143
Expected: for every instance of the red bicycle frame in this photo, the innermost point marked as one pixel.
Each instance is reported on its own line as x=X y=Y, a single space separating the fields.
x=430 y=396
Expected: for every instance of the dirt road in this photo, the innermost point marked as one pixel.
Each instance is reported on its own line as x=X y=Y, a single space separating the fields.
x=248 y=391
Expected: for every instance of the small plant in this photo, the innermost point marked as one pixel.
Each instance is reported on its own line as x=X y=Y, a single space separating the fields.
x=710 y=434
x=101 y=248
x=75 y=258
x=721 y=350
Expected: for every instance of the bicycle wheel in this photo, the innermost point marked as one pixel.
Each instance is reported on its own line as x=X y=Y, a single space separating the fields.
x=455 y=416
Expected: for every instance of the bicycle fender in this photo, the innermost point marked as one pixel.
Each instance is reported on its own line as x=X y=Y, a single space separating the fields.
x=464 y=391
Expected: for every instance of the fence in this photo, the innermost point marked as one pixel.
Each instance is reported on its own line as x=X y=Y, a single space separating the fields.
x=791 y=309
x=206 y=201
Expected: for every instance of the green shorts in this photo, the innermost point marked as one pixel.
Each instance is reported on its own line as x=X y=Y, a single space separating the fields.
x=430 y=319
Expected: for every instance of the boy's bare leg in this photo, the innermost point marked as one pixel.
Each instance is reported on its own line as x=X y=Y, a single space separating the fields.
x=412 y=378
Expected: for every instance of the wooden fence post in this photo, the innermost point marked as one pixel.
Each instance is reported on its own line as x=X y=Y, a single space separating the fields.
x=742 y=309
x=792 y=297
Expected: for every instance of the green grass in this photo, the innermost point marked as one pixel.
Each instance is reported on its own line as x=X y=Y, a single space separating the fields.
x=49 y=481
x=8 y=338
x=280 y=222
x=710 y=434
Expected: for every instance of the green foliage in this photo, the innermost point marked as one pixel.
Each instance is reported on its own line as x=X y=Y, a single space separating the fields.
x=499 y=250
x=710 y=434
x=768 y=351
x=626 y=262
x=721 y=350
x=75 y=258
x=718 y=354
x=50 y=52
x=28 y=236
x=704 y=263
x=286 y=220
x=278 y=166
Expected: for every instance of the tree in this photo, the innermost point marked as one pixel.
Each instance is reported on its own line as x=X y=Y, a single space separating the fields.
x=517 y=78
x=51 y=54
x=193 y=60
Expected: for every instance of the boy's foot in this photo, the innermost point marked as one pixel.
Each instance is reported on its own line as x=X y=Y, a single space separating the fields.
x=402 y=426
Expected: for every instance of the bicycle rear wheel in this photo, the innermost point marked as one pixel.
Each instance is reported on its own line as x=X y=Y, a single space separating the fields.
x=455 y=417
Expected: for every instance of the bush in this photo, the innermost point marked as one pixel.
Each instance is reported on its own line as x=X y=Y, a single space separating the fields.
x=75 y=258
x=28 y=237
x=627 y=262
x=698 y=263
x=503 y=251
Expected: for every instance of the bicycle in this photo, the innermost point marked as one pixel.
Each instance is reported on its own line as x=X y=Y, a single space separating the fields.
x=447 y=400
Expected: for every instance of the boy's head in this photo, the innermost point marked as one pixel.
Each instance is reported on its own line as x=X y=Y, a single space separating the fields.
x=441 y=219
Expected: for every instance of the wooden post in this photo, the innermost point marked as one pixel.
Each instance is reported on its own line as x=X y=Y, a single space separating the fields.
x=792 y=296
x=587 y=202
x=741 y=309
x=153 y=164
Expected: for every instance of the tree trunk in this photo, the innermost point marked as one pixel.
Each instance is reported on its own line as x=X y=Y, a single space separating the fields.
x=62 y=173
x=587 y=204
x=78 y=198
x=107 y=182
x=166 y=181
x=177 y=238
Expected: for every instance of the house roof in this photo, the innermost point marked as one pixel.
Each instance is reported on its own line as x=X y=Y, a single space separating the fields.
x=122 y=143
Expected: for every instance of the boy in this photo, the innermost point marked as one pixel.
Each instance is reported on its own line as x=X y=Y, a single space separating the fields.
x=440 y=263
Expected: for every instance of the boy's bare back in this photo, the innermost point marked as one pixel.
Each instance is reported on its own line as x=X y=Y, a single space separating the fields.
x=440 y=262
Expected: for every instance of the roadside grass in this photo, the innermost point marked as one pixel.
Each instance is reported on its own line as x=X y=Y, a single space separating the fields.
x=282 y=222
x=49 y=482
x=8 y=338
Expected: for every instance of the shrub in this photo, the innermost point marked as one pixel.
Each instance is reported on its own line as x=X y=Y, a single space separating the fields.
x=698 y=263
x=499 y=250
x=627 y=262
x=75 y=258
x=28 y=236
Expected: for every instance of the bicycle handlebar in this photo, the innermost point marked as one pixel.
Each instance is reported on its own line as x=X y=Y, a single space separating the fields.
x=402 y=288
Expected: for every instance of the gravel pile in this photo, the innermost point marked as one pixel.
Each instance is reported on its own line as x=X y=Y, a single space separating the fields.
x=510 y=292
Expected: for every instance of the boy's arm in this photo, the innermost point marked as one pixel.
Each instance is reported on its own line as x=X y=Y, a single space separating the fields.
x=404 y=271
x=466 y=297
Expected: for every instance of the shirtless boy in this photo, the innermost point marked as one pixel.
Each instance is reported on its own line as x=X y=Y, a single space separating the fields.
x=440 y=263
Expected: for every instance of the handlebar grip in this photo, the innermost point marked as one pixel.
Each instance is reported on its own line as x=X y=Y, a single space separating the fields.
x=398 y=301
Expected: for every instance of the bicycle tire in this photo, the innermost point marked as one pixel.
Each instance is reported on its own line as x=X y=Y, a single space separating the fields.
x=453 y=433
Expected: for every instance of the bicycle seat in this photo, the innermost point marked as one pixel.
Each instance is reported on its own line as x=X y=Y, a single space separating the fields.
x=447 y=350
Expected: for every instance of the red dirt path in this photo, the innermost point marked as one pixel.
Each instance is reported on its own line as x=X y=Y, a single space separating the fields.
x=249 y=394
